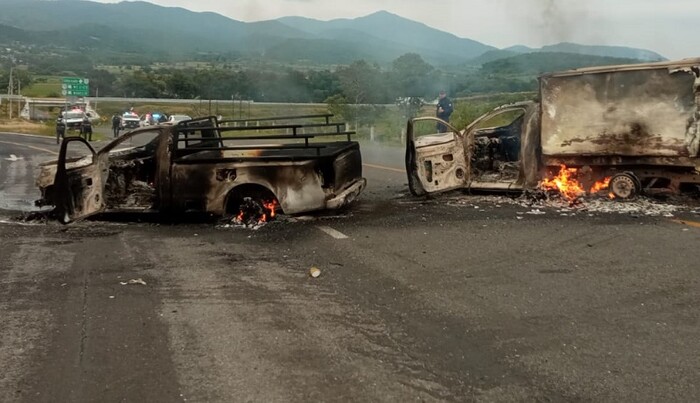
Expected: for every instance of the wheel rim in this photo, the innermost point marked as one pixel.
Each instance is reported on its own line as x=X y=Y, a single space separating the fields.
x=623 y=187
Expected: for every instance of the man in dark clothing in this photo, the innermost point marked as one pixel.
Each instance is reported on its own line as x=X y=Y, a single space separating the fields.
x=444 y=110
x=115 y=124
x=86 y=129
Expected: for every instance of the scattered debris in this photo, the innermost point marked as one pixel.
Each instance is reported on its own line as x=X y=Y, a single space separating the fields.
x=31 y=218
x=133 y=281
x=314 y=272
x=235 y=224
x=536 y=212
x=539 y=201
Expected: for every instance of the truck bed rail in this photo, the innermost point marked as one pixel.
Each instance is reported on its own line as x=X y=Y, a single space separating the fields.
x=209 y=134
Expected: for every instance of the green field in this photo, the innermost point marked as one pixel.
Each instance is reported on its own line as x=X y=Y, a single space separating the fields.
x=44 y=87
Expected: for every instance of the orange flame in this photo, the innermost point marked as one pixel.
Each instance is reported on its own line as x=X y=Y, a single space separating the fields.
x=271 y=206
x=600 y=186
x=268 y=214
x=567 y=184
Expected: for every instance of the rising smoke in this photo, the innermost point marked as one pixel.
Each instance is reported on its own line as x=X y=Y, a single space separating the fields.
x=553 y=21
x=562 y=20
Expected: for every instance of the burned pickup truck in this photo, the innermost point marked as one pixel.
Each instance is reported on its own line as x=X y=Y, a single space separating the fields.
x=632 y=128
x=209 y=166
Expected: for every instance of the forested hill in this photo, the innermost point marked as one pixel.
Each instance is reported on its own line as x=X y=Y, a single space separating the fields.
x=140 y=26
x=538 y=63
x=109 y=31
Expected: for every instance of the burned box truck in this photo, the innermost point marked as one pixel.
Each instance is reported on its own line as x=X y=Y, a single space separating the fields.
x=636 y=127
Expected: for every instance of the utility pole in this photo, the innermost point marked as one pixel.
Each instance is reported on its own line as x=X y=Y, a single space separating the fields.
x=10 y=90
x=19 y=100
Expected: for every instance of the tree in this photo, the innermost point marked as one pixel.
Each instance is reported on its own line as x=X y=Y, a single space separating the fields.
x=411 y=76
x=142 y=85
x=180 y=85
x=103 y=81
x=361 y=82
x=21 y=78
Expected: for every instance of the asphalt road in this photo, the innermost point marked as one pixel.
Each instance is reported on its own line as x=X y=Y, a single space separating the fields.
x=457 y=298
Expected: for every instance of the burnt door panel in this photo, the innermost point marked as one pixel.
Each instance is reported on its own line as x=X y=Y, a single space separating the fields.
x=436 y=162
x=79 y=183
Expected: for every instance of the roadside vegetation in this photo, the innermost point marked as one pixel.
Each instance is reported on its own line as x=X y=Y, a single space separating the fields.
x=376 y=101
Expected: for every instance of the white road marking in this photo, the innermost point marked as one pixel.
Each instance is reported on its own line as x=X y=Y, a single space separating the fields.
x=28 y=146
x=20 y=223
x=386 y=168
x=14 y=158
x=332 y=232
x=39 y=136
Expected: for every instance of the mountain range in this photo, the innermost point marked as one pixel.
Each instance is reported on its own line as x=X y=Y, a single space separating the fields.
x=177 y=33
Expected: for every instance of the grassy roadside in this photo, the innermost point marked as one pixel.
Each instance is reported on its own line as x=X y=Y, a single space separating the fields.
x=27 y=127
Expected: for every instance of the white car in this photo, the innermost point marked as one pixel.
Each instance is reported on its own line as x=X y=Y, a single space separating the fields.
x=129 y=120
x=175 y=119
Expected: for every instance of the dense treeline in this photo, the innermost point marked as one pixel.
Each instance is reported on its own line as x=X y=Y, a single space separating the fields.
x=360 y=82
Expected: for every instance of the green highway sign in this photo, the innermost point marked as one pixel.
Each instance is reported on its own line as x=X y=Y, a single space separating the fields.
x=75 y=80
x=75 y=87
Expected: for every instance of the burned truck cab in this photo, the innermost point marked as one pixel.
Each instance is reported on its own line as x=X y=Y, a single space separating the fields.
x=495 y=152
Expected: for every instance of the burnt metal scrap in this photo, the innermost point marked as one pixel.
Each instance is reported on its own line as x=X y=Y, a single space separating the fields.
x=635 y=128
x=210 y=166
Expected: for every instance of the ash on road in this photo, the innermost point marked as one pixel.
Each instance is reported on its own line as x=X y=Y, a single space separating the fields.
x=449 y=299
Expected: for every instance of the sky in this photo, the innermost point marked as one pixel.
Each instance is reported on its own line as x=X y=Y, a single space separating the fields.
x=668 y=27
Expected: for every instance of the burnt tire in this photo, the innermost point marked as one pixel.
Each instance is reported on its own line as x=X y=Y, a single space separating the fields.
x=625 y=186
x=249 y=203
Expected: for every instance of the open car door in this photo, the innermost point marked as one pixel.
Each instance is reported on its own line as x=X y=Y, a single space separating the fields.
x=503 y=147
x=435 y=162
x=80 y=183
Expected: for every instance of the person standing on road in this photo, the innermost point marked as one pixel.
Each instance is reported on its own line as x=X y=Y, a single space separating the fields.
x=115 y=124
x=443 y=111
x=60 y=128
x=86 y=129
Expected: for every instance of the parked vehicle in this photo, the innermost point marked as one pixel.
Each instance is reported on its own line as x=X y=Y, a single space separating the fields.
x=174 y=119
x=129 y=120
x=153 y=118
x=203 y=165
x=638 y=125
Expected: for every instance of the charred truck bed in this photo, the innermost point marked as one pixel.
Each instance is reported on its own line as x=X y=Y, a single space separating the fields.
x=211 y=166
